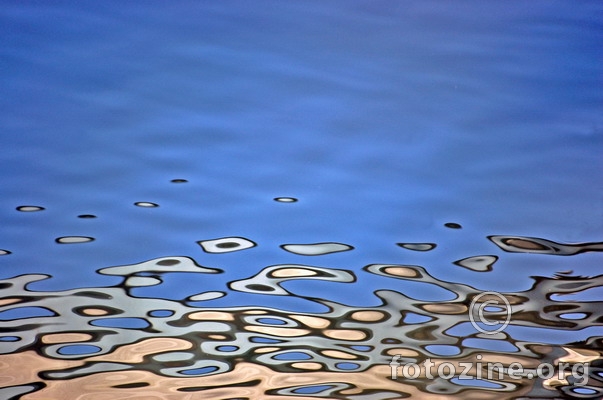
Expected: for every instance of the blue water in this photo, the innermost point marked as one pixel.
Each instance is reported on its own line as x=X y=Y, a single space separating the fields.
x=384 y=119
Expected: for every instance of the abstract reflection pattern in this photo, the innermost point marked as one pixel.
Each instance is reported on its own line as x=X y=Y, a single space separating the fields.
x=110 y=342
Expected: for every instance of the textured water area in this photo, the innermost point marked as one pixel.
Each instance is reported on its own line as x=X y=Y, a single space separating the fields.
x=296 y=199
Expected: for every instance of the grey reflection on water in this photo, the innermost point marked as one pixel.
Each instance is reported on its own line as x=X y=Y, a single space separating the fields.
x=226 y=245
x=30 y=208
x=73 y=335
x=418 y=246
x=74 y=239
x=316 y=249
x=478 y=263
x=146 y=204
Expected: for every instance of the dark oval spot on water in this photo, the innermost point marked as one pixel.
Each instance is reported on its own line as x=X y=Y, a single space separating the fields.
x=161 y=313
x=292 y=356
x=78 y=349
x=124 y=323
x=94 y=295
x=452 y=225
x=261 y=288
x=131 y=385
x=86 y=216
x=199 y=371
x=271 y=321
x=168 y=262
x=312 y=389
x=347 y=366
x=25 y=312
x=179 y=181
x=227 y=245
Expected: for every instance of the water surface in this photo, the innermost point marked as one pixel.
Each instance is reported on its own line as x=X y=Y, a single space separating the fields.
x=271 y=199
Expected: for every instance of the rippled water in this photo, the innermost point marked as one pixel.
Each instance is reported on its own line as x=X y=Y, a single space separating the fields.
x=274 y=199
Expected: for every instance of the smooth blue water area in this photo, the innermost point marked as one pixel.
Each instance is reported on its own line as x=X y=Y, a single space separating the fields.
x=264 y=340
x=385 y=119
x=25 y=312
x=271 y=321
x=312 y=389
x=199 y=371
x=79 y=349
x=443 y=349
x=125 y=323
x=412 y=318
x=347 y=366
x=293 y=355
x=161 y=313
x=227 y=348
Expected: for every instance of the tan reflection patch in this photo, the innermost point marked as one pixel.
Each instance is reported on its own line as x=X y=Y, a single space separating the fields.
x=5 y=302
x=339 y=354
x=105 y=386
x=445 y=308
x=307 y=365
x=401 y=271
x=368 y=316
x=402 y=352
x=580 y=355
x=23 y=368
x=524 y=244
x=134 y=353
x=292 y=273
x=65 y=338
x=345 y=334
x=261 y=350
x=312 y=322
x=94 y=311
x=211 y=316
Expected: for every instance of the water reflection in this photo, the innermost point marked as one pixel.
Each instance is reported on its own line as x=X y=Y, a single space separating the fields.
x=107 y=341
